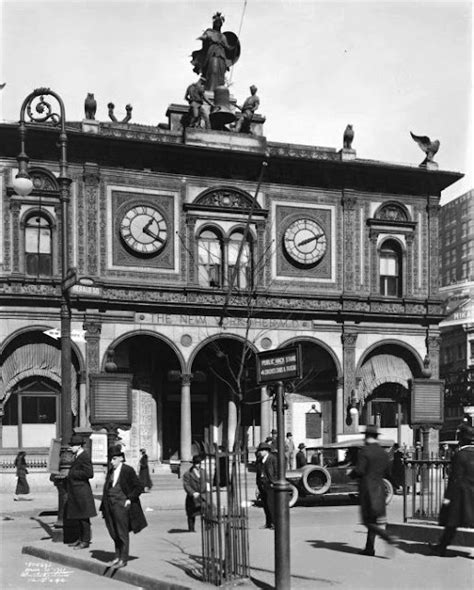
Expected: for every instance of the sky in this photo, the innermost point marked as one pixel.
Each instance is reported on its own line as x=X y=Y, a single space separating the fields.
x=387 y=68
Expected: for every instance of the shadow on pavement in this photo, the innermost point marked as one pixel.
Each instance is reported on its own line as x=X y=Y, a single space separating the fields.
x=334 y=546
x=423 y=549
x=56 y=535
x=171 y=531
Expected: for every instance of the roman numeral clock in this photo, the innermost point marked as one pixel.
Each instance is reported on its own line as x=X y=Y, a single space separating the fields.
x=144 y=230
x=304 y=242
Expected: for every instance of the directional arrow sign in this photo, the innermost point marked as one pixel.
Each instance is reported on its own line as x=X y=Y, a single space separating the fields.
x=76 y=335
x=53 y=333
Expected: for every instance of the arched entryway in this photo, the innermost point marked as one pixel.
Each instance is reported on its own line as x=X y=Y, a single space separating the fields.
x=31 y=396
x=156 y=367
x=225 y=399
x=314 y=400
x=383 y=388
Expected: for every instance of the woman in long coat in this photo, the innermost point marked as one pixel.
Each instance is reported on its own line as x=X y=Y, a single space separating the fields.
x=458 y=505
x=120 y=506
x=144 y=471
x=22 y=487
x=372 y=466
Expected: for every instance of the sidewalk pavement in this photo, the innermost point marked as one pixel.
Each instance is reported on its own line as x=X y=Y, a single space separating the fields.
x=166 y=556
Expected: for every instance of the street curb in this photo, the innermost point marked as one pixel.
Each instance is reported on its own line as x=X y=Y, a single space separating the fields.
x=430 y=533
x=122 y=575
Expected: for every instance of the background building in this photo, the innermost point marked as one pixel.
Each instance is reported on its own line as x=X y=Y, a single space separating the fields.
x=457 y=289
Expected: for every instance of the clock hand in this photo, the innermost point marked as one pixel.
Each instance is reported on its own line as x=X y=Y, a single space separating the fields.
x=147 y=225
x=151 y=234
x=308 y=240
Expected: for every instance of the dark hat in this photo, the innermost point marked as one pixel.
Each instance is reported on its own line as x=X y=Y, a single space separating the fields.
x=289 y=434
x=197 y=459
x=263 y=446
x=253 y=87
x=76 y=439
x=269 y=439
x=116 y=451
x=371 y=430
x=466 y=432
x=301 y=446
x=274 y=431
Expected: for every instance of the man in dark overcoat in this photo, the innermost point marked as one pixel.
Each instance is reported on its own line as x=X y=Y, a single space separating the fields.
x=372 y=466
x=79 y=505
x=458 y=504
x=121 y=506
x=194 y=485
x=267 y=474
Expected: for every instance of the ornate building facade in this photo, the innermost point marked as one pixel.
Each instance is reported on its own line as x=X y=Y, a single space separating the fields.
x=191 y=260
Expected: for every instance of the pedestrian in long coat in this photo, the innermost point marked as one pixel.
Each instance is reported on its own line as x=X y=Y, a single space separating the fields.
x=457 y=509
x=120 y=506
x=22 y=487
x=267 y=474
x=144 y=471
x=194 y=485
x=79 y=505
x=301 y=460
x=372 y=466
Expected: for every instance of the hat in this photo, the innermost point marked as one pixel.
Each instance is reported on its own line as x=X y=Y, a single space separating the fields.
x=301 y=446
x=253 y=87
x=289 y=434
x=263 y=446
x=466 y=432
x=116 y=451
x=274 y=431
x=371 y=430
x=197 y=459
x=76 y=439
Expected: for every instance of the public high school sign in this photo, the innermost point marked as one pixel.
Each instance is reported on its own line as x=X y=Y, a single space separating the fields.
x=279 y=365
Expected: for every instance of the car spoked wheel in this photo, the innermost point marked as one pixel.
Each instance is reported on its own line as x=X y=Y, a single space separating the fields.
x=388 y=491
x=316 y=480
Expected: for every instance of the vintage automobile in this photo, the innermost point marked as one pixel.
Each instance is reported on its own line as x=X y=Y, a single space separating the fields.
x=326 y=472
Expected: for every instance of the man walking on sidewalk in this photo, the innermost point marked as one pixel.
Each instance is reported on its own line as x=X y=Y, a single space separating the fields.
x=372 y=466
x=266 y=476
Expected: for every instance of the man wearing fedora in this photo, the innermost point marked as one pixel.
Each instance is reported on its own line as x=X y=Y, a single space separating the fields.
x=372 y=466
x=457 y=509
x=121 y=506
x=79 y=504
x=301 y=460
x=267 y=473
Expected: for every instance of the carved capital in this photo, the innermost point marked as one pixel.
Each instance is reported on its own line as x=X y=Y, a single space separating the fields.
x=91 y=173
x=92 y=328
x=433 y=342
x=349 y=202
x=349 y=340
x=186 y=378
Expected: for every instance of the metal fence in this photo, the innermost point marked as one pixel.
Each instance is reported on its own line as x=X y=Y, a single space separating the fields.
x=425 y=484
x=225 y=539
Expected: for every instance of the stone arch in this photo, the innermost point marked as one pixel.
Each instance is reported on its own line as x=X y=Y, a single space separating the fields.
x=227 y=197
x=318 y=342
x=393 y=211
x=214 y=337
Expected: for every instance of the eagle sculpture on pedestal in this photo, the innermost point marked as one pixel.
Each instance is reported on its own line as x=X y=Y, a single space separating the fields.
x=429 y=147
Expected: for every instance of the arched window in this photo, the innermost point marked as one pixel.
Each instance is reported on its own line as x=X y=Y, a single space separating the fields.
x=243 y=276
x=209 y=259
x=390 y=269
x=38 y=246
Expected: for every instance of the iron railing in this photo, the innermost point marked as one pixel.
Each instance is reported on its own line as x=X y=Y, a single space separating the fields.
x=425 y=484
x=225 y=539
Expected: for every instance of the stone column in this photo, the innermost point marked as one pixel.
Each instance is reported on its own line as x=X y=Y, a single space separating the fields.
x=350 y=235
x=349 y=343
x=16 y=230
x=192 y=256
x=91 y=247
x=409 y=274
x=265 y=413
x=93 y=329
x=433 y=241
x=231 y=421
x=82 y=411
x=433 y=342
x=340 y=408
x=186 y=433
x=374 y=270
x=260 y=256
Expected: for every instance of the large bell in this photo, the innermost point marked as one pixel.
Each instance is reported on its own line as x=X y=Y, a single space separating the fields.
x=221 y=113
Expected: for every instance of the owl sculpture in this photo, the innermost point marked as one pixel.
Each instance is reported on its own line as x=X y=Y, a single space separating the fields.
x=348 y=137
x=90 y=106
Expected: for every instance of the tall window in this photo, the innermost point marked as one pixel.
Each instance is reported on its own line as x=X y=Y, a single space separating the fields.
x=390 y=269
x=243 y=276
x=38 y=246
x=209 y=259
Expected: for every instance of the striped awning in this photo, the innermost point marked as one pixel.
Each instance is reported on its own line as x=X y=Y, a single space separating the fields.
x=382 y=368
x=36 y=360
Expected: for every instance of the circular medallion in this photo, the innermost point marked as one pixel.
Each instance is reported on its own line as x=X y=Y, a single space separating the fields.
x=304 y=242
x=144 y=230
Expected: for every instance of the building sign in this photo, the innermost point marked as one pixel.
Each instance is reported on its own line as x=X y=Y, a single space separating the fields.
x=279 y=365
x=111 y=398
x=173 y=319
x=427 y=407
x=313 y=425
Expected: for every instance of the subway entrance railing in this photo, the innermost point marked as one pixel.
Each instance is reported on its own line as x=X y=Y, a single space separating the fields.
x=425 y=484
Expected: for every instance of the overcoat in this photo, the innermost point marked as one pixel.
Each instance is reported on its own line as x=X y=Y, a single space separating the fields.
x=144 y=472
x=460 y=491
x=80 y=501
x=132 y=488
x=267 y=472
x=372 y=466
x=193 y=482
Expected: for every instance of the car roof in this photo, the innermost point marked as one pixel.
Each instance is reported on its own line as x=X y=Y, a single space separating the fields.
x=351 y=443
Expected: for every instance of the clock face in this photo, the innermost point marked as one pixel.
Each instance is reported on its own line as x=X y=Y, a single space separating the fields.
x=305 y=242
x=144 y=230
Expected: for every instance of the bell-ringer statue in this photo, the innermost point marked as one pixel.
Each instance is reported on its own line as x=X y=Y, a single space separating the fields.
x=218 y=53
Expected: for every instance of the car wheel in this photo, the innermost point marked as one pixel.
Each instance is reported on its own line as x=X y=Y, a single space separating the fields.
x=294 y=494
x=316 y=480
x=388 y=491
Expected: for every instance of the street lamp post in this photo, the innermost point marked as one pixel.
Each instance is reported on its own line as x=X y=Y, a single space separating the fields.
x=39 y=110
